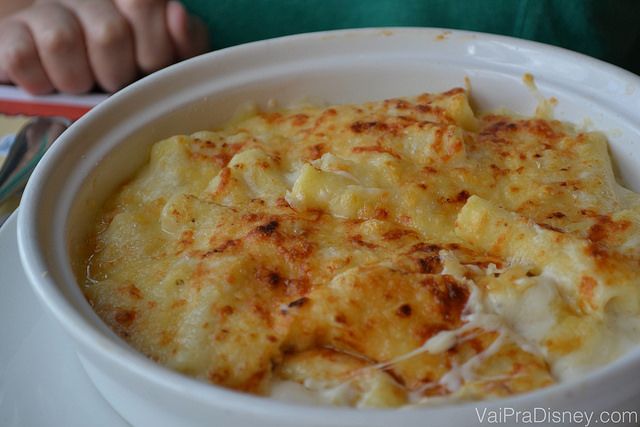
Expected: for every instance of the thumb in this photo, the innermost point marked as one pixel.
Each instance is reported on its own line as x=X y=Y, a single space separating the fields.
x=188 y=33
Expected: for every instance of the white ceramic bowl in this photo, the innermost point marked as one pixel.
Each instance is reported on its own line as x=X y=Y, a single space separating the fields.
x=107 y=145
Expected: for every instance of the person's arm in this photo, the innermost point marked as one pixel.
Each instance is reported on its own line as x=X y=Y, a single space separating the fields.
x=72 y=45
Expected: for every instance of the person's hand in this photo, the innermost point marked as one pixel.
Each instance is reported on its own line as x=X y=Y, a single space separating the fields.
x=73 y=45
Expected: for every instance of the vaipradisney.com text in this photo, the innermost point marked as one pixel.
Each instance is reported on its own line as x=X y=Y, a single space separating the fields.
x=511 y=416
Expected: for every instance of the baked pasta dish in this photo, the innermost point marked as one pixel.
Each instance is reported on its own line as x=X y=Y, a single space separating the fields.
x=408 y=251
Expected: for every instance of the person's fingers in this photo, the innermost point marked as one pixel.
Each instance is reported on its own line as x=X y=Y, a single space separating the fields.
x=59 y=39
x=188 y=33
x=19 y=60
x=70 y=45
x=153 y=46
x=109 y=43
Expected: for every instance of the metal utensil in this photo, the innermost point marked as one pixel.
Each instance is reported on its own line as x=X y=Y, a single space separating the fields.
x=27 y=149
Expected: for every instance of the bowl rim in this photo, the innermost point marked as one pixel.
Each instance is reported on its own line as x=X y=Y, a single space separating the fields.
x=88 y=335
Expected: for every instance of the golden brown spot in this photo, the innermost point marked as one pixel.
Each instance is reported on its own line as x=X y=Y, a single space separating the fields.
x=299 y=302
x=316 y=151
x=606 y=229
x=131 y=291
x=227 y=244
x=263 y=164
x=556 y=215
x=125 y=317
x=461 y=197
x=426 y=247
x=326 y=115
x=269 y=277
x=375 y=149
x=381 y=214
x=271 y=117
x=404 y=310
x=359 y=127
x=272 y=338
x=587 y=286
x=401 y=104
x=496 y=171
x=186 y=240
x=219 y=376
x=281 y=202
x=268 y=228
x=179 y=303
x=340 y=318
x=251 y=217
x=225 y=179
x=429 y=171
x=451 y=295
x=429 y=265
x=299 y=119
x=398 y=233
x=597 y=252
x=549 y=227
x=357 y=240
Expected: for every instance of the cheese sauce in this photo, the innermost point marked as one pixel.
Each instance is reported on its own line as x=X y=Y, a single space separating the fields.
x=402 y=252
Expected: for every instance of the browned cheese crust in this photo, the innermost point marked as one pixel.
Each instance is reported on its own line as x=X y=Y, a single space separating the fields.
x=398 y=250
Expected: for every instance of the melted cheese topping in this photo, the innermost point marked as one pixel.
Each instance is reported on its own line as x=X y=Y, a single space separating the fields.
x=407 y=251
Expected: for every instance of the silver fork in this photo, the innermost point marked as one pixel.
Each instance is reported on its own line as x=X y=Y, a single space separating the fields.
x=28 y=147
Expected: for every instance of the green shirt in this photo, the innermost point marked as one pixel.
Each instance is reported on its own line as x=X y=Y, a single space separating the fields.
x=605 y=29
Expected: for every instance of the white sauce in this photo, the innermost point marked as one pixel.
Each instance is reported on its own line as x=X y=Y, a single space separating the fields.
x=526 y=317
